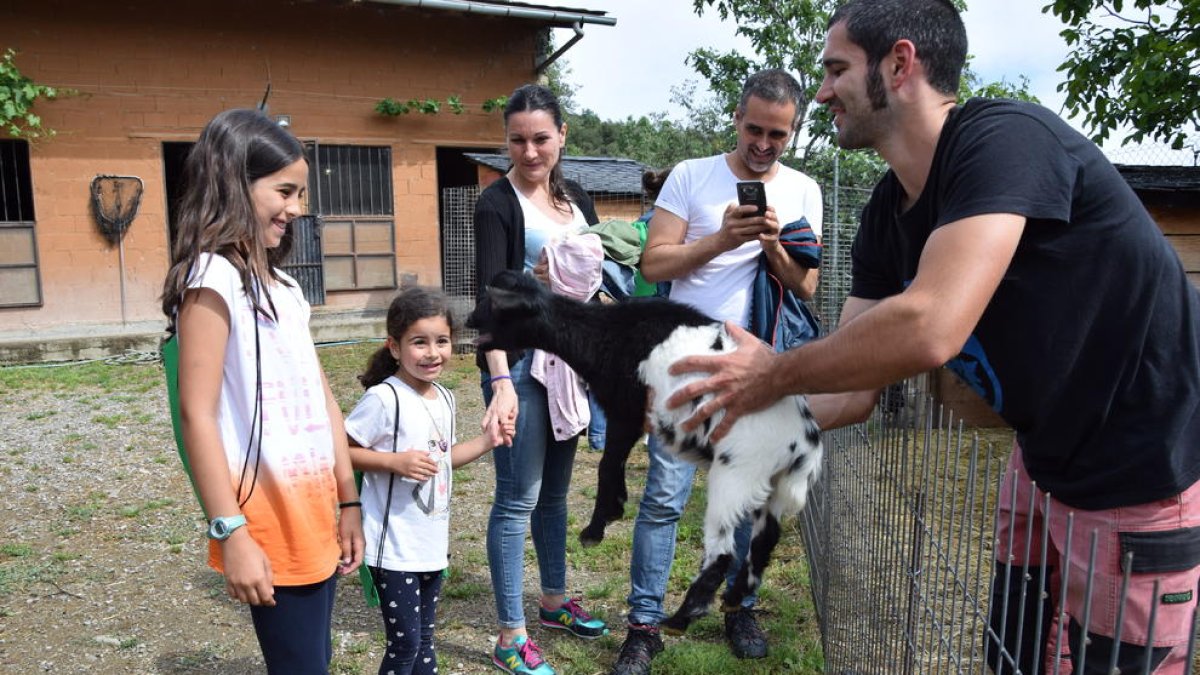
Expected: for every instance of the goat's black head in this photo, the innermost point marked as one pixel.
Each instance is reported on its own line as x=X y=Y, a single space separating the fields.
x=505 y=315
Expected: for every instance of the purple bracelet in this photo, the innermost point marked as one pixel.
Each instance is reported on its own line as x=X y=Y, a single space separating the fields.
x=498 y=378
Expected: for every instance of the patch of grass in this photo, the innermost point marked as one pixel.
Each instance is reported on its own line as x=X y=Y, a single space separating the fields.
x=109 y=421
x=84 y=510
x=471 y=560
x=19 y=573
x=16 y=550
x=41 y=414
x=467 y=590
x=134 y=510
x=107 y=376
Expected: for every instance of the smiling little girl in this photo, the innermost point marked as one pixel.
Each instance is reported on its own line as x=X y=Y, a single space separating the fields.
x=401 y=437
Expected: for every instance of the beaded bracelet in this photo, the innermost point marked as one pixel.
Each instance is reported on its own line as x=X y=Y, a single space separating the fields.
x=346 y=505
x=497 y=378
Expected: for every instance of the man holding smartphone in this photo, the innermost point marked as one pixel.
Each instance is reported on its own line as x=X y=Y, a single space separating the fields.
x=707 y=245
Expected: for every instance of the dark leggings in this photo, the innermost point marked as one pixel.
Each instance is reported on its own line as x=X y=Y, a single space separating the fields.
x=408 y=601
x=294 y=634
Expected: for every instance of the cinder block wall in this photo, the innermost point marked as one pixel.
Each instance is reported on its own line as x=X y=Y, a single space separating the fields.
x=147 y=72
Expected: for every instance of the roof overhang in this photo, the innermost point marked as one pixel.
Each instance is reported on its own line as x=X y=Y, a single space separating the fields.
x=1161 y=178
x=550 y=15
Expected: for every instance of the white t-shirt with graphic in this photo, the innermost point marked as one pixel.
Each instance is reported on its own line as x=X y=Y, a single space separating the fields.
x=418 y=527
x=698 y=191
x=291 y=488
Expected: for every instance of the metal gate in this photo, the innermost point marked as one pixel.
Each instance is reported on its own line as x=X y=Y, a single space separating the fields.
x=458 y=255
x=305 y=262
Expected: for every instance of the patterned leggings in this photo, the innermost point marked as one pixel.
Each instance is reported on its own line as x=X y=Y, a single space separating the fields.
x=408 y=601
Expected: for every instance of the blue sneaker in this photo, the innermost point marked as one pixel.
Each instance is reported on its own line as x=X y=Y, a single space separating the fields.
x=522 y=657
x=571 y=617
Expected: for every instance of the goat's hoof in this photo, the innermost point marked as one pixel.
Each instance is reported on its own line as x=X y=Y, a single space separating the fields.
x=674 y=625
x=589 y=537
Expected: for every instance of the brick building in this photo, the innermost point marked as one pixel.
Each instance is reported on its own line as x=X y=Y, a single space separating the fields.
x=147 y=75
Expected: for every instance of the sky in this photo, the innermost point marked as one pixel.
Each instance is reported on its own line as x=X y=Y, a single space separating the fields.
x=652 y=38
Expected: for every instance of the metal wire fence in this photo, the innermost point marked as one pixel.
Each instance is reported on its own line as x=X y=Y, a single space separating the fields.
x=901 y=530
x=901 y=536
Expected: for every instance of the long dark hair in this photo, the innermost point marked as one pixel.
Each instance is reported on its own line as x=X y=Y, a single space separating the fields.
x=216 y=212
x=531 y=98
x=410 y=305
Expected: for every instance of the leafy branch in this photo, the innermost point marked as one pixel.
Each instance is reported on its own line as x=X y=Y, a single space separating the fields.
x=18 y=94
x=393 y=108
x=1132 y=73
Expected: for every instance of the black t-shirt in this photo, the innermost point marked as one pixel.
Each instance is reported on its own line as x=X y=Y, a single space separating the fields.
x=1090 y=347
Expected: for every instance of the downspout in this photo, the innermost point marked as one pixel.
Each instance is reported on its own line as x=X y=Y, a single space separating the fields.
x=545 y=63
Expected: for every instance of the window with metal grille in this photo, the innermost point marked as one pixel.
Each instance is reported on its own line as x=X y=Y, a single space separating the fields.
x=19 y=281
x=351 y=189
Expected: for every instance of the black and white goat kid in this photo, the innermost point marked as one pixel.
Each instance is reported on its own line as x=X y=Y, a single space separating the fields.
x=763 y=467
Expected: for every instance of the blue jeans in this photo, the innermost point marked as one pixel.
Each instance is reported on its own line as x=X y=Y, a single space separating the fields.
x=598 y=426
x=532 y=480
x=668 y=486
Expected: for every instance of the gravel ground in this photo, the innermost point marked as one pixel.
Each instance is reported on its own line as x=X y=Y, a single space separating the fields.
x=102 y=548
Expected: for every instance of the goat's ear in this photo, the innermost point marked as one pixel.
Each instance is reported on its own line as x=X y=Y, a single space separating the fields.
x=503 y=299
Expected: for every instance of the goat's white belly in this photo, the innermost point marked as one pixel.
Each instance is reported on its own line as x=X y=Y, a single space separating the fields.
x=757 y=449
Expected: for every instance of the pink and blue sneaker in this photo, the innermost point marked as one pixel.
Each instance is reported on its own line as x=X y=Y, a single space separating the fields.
x=522 y=657
x=571 y=617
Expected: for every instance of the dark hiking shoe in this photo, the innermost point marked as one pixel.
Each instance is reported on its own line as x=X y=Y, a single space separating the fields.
x=746 y=639
x=642 y=643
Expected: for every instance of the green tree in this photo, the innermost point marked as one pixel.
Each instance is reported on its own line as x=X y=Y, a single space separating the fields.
x=654 y=140
x=790 y=34
x=1134 y=63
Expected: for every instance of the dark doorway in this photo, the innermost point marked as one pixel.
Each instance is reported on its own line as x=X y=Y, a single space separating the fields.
x=174 y=156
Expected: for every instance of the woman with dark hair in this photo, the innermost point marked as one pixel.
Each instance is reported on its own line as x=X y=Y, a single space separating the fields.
x=261 y=429
x=515 y=218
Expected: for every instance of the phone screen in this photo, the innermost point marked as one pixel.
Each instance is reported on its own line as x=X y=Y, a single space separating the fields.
x=753 y=192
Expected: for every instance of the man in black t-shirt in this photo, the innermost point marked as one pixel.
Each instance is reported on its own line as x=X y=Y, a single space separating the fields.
x=1004 y=245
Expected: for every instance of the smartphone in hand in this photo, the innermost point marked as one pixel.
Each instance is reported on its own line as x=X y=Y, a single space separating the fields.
x=753 y=192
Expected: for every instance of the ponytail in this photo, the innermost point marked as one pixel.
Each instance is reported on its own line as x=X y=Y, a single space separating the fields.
x=380 y=366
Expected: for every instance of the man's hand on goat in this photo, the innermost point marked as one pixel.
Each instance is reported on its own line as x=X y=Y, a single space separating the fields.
x=735 y=382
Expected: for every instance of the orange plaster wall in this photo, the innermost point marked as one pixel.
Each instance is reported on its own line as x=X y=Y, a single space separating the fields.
x=146 y=72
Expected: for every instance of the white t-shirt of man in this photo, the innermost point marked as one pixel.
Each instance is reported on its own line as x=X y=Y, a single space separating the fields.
x=698 y=191
x=418 y=535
